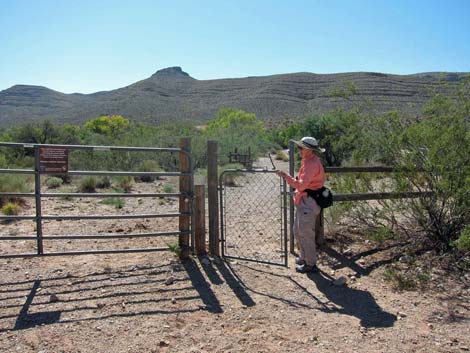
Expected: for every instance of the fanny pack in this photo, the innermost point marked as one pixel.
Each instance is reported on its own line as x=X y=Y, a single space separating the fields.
x=323 y=196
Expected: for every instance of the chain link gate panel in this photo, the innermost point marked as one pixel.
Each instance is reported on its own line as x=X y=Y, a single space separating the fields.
x=253 y=208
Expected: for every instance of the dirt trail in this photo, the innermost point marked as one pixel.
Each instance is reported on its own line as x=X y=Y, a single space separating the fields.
x=150 y=302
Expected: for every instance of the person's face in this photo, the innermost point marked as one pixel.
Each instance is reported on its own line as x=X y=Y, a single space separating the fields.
x=305 y=153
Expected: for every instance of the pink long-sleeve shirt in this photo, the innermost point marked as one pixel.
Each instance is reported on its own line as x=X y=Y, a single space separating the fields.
x=311 y=176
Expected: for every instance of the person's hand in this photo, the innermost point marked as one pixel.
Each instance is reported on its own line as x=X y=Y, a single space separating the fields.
x=281 y=173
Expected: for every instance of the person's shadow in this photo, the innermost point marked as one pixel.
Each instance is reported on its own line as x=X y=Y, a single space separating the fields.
x=354 y=302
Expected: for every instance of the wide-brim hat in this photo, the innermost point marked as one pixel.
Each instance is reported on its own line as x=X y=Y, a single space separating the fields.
x=310 y=143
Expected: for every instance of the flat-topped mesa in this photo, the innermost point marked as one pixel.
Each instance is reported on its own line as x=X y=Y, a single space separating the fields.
x=171 y=72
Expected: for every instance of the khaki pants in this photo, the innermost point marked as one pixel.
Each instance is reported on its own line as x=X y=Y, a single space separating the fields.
x=304 y=229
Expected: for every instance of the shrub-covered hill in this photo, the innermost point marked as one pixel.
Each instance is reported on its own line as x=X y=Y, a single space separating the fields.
x=173 y=95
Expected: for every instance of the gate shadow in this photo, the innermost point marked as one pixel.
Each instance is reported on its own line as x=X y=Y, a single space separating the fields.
x=139 y=291
x=199 y=283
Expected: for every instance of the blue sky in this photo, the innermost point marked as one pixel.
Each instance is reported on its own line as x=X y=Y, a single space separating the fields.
x=88 y=46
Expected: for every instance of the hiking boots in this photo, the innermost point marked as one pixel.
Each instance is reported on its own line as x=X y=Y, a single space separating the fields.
x=306 y=268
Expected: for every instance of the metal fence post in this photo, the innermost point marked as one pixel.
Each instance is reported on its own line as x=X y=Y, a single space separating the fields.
x=37 y=195
x=185 y=202
x=291 y=190
x=212 y=193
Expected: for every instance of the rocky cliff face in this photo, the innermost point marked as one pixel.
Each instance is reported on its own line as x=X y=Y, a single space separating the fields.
x=173 y=95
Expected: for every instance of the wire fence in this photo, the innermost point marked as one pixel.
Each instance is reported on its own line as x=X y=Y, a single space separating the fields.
x=253 y=216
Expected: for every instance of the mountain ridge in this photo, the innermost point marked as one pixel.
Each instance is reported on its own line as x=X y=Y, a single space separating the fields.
x=171 y=94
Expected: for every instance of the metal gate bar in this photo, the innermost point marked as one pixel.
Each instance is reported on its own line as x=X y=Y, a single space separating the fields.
x=38 y=195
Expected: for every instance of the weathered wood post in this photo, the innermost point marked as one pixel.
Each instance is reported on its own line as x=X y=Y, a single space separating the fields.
x=200 y=236
x=213 y=200
x=185 y=202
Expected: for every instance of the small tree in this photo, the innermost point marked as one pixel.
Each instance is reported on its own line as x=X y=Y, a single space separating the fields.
x=430 y=155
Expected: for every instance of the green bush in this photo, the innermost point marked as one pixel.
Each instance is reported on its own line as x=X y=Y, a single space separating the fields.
x=168 y=188
x=103 y=182
x=11 y=209
x=399 y=280
x=147 y=165
x=116 y=201
x=462 y=244
x=16 y=184
x=381 y=234
x=87 y=184
x=53 y=182
x=125 y=183
x=431 y=155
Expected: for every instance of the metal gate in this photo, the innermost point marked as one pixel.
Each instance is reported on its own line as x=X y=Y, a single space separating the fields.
x=150 y=227
x=253 y=214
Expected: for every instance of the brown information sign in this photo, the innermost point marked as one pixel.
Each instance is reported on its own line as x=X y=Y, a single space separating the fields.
x=53 y=160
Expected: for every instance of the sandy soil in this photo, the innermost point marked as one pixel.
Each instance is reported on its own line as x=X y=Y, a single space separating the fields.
x=150 y=302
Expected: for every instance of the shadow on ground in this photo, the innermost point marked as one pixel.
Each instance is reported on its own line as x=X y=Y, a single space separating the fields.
x=354 y=302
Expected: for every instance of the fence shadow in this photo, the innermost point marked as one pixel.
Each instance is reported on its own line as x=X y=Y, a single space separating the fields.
x=102 y=295
x=354 y=302
x=202 y=287
x=234 y=283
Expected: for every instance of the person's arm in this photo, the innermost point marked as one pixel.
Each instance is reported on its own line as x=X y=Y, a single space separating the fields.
x=311 y=172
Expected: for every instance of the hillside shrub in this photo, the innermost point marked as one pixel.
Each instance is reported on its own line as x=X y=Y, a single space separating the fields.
x=125 y=183
x=16 y=184
x=87 y=184
x=462 y=244
x=117 y=202
x=148 y=165
x=54 y=182
x=11 y=209
x=430 y=155
x=237 y=129
x=103 y=182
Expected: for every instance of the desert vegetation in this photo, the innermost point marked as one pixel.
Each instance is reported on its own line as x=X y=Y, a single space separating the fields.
x=429 y=152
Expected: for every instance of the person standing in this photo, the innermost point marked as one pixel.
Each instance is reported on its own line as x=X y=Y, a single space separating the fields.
x=311 y=176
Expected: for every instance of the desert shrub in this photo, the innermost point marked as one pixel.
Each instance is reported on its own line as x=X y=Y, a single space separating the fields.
x=16 y=184
x=118 y=202
x=103 y=182
x=399 y=279
x=148 y=165
x=174 y=248
x=233 y=128
x=432 y=156
x=87 y=184
x=125 y=183
x=168 y=188
x=66 y=178
x=53 y=182
x=462 y=244
x=381 y=234
x=338 y=131
x=11 y=209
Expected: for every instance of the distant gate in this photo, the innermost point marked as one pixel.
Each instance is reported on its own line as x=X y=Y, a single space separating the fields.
x=253 y=214
x=54 y=159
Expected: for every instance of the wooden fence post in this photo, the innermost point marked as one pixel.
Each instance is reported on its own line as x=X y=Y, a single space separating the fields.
x=200 y=229
x=184 y=203
x=213 y=197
